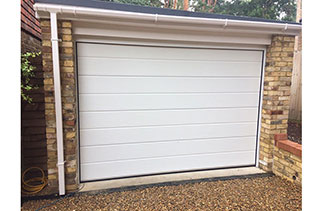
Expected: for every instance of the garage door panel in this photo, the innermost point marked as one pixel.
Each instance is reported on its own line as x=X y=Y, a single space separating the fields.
x=92 y=137
x=144 y=52
x=151 y=110
x=111 y=102
x=103 y=153
x=115 y=169
x=106 y=85
x=141 y=67
x=92 y=120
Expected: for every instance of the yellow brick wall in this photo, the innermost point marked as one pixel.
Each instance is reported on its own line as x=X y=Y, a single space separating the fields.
x=68 y=92
x=287 y=165
x=275 y=106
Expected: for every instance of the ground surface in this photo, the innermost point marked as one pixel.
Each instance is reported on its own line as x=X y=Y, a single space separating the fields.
x=261 y=193
x=294 y=131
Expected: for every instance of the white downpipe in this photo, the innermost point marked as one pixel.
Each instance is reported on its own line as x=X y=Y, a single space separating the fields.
x=58 y=104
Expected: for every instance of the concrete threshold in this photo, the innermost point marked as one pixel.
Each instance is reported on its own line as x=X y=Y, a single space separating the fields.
x=169 y=178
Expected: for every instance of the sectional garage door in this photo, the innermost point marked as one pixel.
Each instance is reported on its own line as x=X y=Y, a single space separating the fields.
x=149 y=110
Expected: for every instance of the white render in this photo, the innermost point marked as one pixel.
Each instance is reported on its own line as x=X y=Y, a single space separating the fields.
x=150 y=110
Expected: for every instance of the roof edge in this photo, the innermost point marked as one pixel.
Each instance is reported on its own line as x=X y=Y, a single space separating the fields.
x=43 y=10
x=108 y=5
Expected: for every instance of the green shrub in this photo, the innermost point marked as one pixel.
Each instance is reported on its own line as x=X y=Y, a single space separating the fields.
x=27 y=72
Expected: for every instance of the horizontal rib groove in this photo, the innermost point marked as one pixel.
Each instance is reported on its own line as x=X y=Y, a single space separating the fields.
x=155 y=59
x=173 y=156
x=165 y=141
x=168 y=109
x=168 y=125
x=171 y=76
x=175 y=109
x=168 y=93
x=183 y=93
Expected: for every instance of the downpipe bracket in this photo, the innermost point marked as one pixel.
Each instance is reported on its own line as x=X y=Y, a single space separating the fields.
x=60 y=163
x=54 y=39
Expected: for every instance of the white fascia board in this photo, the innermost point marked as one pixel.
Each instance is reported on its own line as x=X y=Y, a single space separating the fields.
x=74 y=12
x=81 y=29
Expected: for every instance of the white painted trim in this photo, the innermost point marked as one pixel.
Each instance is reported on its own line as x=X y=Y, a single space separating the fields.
x=58 y=104
x=78 y=172
x=67 y=12
x=260 y=106
x=166 y=43
x=145 y=32
x=201 y=28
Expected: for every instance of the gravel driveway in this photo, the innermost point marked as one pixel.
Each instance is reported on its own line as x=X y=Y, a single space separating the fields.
x=260 y=193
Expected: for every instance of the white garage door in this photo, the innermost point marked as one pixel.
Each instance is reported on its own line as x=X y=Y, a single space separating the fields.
x=150 y=110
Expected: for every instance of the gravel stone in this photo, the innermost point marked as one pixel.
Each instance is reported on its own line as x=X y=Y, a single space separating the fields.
x=261 y=193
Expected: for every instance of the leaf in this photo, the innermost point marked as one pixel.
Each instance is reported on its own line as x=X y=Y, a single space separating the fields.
x=27 y=72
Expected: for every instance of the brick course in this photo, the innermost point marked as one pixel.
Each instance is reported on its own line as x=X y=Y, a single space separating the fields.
x=287 y=159
x=275 y=107
x=33 y=134
x=28 y=20
x=68 y=92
